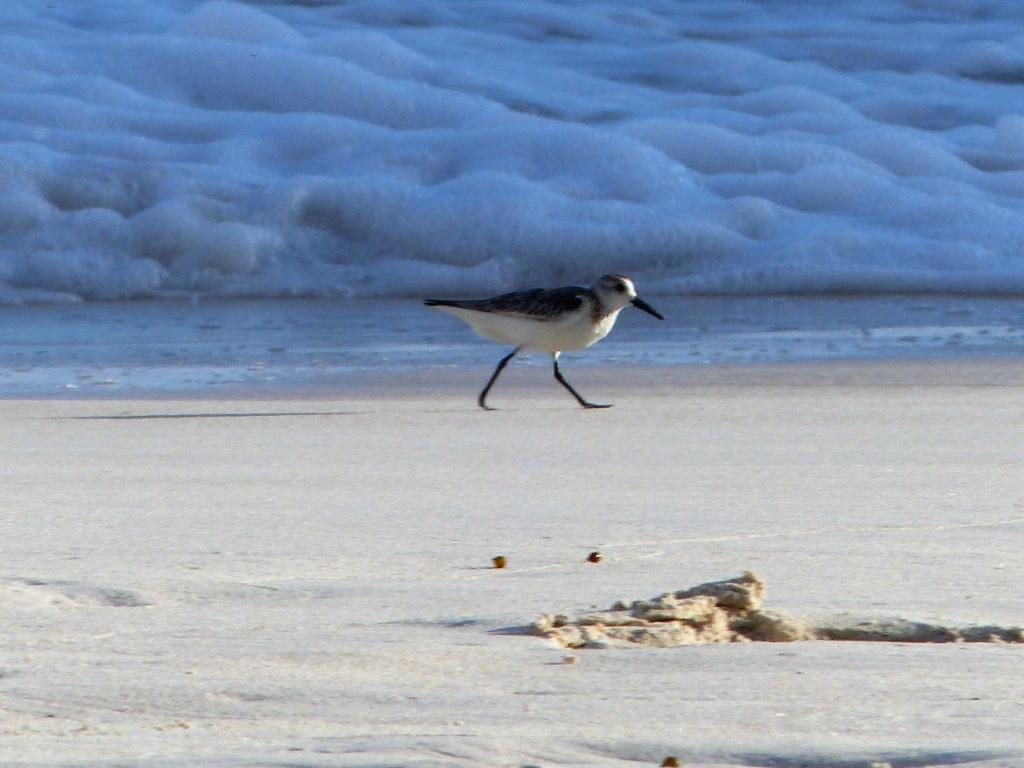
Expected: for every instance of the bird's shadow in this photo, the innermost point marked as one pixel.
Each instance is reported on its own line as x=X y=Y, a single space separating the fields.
x=525 y=629
x=205 y=415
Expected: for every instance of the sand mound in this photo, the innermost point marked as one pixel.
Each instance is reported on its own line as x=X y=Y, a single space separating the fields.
x=904 y=631
x=42 y=593
x=729 y=611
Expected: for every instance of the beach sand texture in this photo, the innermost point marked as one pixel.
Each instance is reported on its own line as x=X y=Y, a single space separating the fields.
x=308 y=582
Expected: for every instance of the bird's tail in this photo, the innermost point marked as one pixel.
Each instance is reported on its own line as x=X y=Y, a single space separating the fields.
x=439 y=303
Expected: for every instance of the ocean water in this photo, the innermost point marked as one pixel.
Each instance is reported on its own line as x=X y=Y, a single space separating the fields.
x=267 y=347
x=399 y=148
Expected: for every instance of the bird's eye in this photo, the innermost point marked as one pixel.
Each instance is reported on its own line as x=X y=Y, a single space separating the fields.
x=620 y=288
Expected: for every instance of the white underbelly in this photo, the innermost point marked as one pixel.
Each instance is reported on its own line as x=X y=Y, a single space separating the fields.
x=574 y=331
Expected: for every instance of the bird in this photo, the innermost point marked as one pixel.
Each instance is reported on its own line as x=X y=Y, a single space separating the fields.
x=549 y=320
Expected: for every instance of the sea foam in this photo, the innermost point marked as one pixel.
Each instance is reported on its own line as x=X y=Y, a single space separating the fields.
x=375 y=148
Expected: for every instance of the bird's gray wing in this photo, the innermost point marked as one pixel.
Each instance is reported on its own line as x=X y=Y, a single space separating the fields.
x=538 y=303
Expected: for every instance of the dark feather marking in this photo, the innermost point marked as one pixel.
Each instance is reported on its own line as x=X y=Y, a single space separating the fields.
x=537 y=303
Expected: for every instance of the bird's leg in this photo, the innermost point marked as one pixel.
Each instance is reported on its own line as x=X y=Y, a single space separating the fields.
x=494 y=377
x=564 y=383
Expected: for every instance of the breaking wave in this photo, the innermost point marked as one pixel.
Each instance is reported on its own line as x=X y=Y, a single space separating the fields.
x=392 y=148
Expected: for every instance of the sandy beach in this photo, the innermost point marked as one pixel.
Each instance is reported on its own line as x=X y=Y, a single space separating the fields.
x=307 y=581
x=249 y=507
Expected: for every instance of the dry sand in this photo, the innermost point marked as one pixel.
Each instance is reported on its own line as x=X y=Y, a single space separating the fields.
x=308 y=581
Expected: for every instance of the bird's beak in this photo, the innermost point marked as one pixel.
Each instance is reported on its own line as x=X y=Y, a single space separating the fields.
x=641 y=304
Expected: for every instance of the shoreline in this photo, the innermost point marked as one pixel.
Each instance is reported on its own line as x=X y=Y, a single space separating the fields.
x=264 y=348
x=530 y=378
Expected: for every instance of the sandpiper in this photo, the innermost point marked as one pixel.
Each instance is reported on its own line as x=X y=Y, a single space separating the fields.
x=547 y=320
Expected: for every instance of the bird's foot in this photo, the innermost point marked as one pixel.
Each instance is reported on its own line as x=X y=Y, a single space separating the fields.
x=595 y=405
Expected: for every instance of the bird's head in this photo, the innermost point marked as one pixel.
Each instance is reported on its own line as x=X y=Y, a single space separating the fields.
x=616 y=291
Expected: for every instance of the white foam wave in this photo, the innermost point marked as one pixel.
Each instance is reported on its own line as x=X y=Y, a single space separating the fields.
x=393 y=148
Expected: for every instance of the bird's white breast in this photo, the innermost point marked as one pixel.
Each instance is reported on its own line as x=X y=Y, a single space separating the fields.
x=569 y=331
x=576 y=331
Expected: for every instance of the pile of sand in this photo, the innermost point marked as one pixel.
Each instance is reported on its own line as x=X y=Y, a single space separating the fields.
x=730 y=611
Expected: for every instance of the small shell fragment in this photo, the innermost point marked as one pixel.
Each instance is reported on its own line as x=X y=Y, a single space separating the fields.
x=594 y=557
x=499 y=561
x=670 y=762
